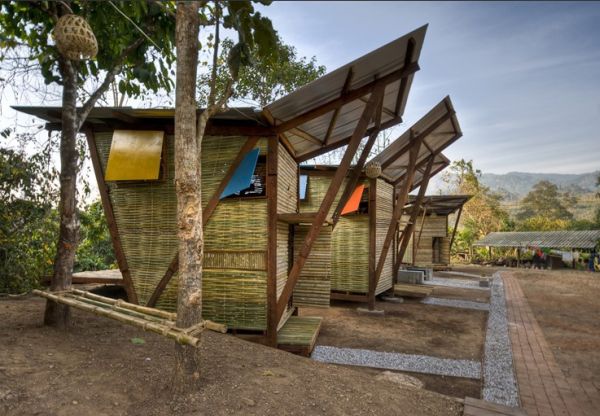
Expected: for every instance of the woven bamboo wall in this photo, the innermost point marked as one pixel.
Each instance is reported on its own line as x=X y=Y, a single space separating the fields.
x=287 y=202
x=432 y=227
x=317 y=187
x=314 y=284
x=384 y=203
x=234 y=278
x=350 y=254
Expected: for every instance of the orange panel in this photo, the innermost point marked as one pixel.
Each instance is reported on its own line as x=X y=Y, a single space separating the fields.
x=354 y=201
x=134 y=155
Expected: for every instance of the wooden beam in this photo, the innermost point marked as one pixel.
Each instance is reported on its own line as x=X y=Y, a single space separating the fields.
x=206 y=214
x=336 y=112
x=110 y=218
x=272 y=316
x=347 y=98
x=413 y=216
x=423 y=134
x=353 y=178
x=356 y=172
x=329 y=197
x=342 y=142
x=305 y=135
x=420 y=232
x=400 y=202
x=410 y=51
x=455 y=227
x=372 y=241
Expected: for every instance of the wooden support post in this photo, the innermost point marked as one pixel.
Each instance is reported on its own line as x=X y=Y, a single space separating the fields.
x=336 y=182
x=110 y=219
x=455 y=227
x=413 y=216
x=518 y=257
x=356 y=172
x=400 y=202
x=272 y=317
x=206 y=214
x=372 y=240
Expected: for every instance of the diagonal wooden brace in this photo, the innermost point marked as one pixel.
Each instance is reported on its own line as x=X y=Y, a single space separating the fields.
x=406 y=235
x=336 y=182
x=401 y=199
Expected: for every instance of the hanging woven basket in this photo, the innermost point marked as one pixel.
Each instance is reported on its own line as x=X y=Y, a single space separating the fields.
x=373 y=170
x=74 y=38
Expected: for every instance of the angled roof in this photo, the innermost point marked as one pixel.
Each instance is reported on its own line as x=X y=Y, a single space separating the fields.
x=440 y=204
x=542 y=239
x=305 y=116
x=439 y=128
x=104 y=115
x=439 y=164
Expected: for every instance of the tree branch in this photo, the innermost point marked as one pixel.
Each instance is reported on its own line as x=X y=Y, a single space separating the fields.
x=110 y=76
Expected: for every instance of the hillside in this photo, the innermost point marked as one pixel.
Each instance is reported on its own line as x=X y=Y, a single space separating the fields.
x=515 y=185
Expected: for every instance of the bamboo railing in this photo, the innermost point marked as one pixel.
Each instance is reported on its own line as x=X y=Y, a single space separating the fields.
x=149 y=319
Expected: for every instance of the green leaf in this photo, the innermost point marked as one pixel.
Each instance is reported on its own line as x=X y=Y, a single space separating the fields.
x=138 y=341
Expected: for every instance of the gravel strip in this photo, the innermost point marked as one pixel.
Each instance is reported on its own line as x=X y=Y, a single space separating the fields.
x=396 y=361
x=454 y=303
x=460 y=283
x=476 y=276
x=499 y=383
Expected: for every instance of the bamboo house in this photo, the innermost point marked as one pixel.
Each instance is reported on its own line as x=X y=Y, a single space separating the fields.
x=259 y=261
x=364 y=241
x=431 y=242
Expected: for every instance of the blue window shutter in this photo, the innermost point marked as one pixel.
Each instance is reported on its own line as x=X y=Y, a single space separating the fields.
x=242 y=177
x=303 y=186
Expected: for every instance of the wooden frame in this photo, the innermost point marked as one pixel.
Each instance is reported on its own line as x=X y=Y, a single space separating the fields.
x=410 y=226
x=272 y=316
x=110 y=218
x=336 y=182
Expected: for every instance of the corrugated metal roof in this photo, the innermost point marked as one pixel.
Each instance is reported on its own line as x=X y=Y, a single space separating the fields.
x=542 y=239
x=440 y=129
x=440 y=204
x=99 y=115
x=309 y=138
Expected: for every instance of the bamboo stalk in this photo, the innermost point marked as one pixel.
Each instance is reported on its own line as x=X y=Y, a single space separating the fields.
x=122 y=310
x=121 y=303
x=172 y=333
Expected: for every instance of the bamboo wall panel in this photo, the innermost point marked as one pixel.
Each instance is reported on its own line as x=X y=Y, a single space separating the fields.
x=433 y=226
x=283 y=253
x=314 y=283
x=287 y=182
x=384 y=203
x=350 y=254
x=145 y=213
x=234 y=277
x=316 y=190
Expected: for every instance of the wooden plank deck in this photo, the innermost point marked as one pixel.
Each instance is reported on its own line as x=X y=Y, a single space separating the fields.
x=299 y=334
x=476 y=407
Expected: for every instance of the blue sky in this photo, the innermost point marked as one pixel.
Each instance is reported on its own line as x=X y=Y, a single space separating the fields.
x=524 y=77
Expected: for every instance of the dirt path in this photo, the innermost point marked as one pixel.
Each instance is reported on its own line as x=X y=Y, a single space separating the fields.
x=95 y=369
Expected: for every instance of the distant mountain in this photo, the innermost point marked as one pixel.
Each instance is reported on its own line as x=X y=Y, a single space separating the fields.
x=515 y=185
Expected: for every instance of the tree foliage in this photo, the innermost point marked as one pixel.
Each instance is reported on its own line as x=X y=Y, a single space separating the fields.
x=483 y=213
x=263 y=80
x=546 y=202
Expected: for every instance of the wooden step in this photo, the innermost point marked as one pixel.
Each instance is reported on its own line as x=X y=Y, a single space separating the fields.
x=412 y=291
x=299 y=334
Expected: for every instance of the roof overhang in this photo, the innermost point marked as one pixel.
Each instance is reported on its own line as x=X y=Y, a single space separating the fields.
x=439 y=128
x=440 y=204
x=588 y=239
x=323 y=114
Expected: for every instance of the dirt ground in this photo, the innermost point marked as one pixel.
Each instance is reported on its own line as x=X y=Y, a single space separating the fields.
x=95 y=369
x=409 y=327
x=566 y=304
x=413 y=328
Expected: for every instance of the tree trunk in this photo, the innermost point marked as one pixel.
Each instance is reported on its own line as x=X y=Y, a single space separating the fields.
x=56 y=314
x=187 y=182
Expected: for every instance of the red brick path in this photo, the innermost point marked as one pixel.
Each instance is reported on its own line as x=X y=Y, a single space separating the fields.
x=543 y=388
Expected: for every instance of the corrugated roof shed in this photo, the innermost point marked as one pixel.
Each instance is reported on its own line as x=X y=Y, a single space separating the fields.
x=542 y=239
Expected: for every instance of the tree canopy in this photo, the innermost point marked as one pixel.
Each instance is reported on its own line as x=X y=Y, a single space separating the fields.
x=546 y=201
